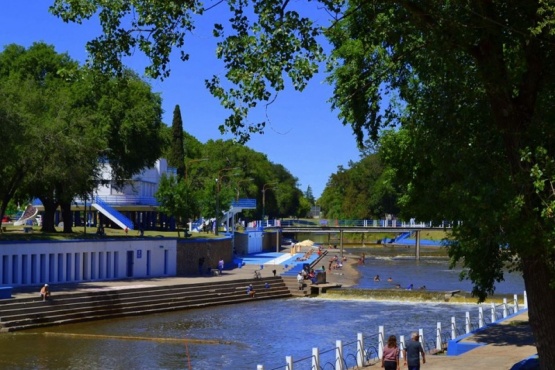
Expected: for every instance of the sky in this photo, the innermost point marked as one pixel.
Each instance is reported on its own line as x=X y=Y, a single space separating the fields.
x=304 y=134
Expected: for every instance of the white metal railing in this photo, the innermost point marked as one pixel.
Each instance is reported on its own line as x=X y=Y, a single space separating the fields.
x=368 y=350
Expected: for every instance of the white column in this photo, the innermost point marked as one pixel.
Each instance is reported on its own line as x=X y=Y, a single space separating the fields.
x=315 y=358
x=288 y=363
x=505 y=308
x=493 y=317
x=438 y=336
x=381 y=336
x=360 y=351
x=525 y=300
x=515 y=299
x=258 y=367
x=339 y=355
x=467 y=322
x=402 y=346
x=422 y=339
x=480 y=316
x=453 y=328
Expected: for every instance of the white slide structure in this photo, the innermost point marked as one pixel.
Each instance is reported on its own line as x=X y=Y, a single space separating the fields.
x=29 y=214
x=102 y=210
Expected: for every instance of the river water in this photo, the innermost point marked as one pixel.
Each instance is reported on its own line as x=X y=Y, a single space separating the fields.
x=245 y=335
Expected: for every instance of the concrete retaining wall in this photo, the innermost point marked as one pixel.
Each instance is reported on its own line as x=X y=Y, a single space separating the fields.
x=38 y=262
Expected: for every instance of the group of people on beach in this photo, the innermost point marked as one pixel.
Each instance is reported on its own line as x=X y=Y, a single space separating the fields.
x=411 y=353
x=336 y=263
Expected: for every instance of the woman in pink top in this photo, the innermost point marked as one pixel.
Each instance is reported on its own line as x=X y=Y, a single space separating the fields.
x=390 y=355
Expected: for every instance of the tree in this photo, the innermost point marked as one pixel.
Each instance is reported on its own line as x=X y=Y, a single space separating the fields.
x=15 y=142
x=362 y=191
x=65 y=121
x=177 y=198
x=176 y=156
x=470 y=84
x=309 y=196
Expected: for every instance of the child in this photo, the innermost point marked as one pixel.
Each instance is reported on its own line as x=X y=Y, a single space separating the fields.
x=45 y=292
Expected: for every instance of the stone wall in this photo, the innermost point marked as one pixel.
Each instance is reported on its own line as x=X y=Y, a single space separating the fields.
x=269 y=241
x=189 y=251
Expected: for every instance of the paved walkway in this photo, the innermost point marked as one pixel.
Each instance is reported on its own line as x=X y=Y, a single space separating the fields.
x=506 y=344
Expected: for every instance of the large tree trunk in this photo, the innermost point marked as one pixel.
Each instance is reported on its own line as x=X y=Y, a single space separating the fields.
x=48 y=217
x=541 y=302
x=67 y=217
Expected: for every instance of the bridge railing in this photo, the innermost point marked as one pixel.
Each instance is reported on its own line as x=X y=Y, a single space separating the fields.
x=299 y=223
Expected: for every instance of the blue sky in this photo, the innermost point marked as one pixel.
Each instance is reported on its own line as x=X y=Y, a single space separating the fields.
x=303 y=135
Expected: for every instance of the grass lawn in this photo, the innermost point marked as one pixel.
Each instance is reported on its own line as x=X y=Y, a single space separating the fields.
x=11 y=232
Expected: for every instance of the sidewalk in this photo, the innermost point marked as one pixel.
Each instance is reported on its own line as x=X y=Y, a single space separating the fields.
x=506 y=344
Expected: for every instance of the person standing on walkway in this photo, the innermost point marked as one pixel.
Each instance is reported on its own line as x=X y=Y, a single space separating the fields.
x=413 y=350
x=221 y=266
x=390 y=355
x=300 y=280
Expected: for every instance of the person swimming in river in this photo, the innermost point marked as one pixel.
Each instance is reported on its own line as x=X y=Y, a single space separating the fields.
x=389 y=279
x=377 y=278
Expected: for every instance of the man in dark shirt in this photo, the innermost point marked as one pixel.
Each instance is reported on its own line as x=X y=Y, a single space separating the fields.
x=411 y=353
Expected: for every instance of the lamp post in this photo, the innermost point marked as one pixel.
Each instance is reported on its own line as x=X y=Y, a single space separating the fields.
x=218 y=188
x=264 y=188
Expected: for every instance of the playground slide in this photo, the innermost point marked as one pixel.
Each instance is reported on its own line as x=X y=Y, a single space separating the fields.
x=29 y=214
x=112 y=217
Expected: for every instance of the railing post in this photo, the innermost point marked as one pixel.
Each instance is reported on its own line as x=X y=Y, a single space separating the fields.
x=381 y=337
x=339 y=355
x=288 y=363
x=480 y=316
x=438 y=336
x=422 y=339
x=493 y=317
x=505 y=308
x=360 y=351
x=315 y=358
x=467 y=323
x=515 y=299
x=402 y=346
x=525 y=297
x=453 y=328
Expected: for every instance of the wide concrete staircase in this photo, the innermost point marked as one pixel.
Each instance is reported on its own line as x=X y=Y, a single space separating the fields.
x=27 y=313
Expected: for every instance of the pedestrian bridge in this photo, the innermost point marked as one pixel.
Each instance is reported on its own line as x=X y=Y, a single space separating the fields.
x=322 y=226
x=355 y=226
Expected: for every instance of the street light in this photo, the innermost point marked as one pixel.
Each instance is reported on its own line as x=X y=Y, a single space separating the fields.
x=187 y=163
x=264 y=188
x=218 y=188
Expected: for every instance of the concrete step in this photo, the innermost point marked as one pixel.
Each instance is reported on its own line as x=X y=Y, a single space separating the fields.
x=94 y=305
x=293 y=286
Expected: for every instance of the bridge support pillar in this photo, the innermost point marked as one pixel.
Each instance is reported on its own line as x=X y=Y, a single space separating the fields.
x=417 y=236
x=341 y=241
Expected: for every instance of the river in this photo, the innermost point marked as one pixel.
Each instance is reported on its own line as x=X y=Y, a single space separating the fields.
x=245 y=335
